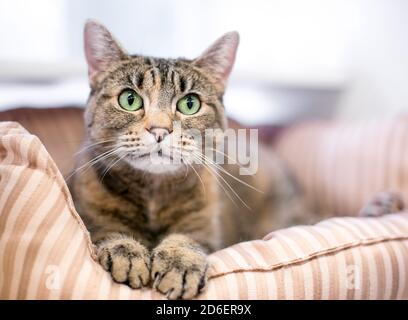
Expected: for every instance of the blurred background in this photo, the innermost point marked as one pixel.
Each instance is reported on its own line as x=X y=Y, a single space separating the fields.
x=297 y=59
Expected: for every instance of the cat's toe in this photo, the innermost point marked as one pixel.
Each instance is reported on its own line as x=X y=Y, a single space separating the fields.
x=381 y=204
x=179 y=277
x=127 y=261
x=194 y=282
x=139 y=273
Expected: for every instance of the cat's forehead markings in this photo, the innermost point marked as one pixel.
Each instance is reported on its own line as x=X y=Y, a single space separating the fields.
x=170 y=73
x=150 y=75
x=138 y=80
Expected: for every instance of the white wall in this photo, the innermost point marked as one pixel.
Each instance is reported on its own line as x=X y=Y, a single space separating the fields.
x=33 y=30
x=377 y=60
x=291 y=39
x=295 y=44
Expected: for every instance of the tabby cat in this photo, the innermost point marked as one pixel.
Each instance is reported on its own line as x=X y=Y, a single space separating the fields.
x=154 y=222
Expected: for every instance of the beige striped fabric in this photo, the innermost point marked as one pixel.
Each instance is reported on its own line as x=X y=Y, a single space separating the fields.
x=61 y=130
x=341 y=165
x=46 y=253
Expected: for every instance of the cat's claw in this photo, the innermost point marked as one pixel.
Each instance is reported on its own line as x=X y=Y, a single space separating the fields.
x=127 y=260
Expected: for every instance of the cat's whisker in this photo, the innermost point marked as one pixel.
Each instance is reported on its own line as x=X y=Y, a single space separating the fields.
x=111 y=166
x=92 y=162
x=98 y=161
x=211 y=171
x=186 y=173
x=228 y=157
x=209 y=164
x=93 y=145
x=107 y=167
x=227 y=173
x=84 y=169
x=195 y=171
x=99 y=157
x=216 y=175
x=222 y=178
x=201 y=180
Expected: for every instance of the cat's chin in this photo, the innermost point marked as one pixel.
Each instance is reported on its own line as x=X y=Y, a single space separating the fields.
x=156 y=165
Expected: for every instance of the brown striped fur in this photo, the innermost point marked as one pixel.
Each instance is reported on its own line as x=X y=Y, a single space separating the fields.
x=155 y=224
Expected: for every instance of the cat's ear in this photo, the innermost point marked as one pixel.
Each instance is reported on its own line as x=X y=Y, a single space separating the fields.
x=219 y=58
x=101 y=49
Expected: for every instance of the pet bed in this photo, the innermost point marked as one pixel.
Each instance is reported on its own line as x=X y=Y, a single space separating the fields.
x=46 y=253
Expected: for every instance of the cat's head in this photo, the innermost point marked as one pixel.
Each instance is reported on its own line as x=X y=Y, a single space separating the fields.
x=141 y=109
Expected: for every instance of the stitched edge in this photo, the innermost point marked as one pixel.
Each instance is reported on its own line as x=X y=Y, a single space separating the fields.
x=315 y=255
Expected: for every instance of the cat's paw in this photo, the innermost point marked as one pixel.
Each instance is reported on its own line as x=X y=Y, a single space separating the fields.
x=381 y=204
x=126 y=259
x=178 y=273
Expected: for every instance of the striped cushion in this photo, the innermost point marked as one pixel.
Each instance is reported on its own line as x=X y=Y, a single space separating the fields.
x=47 y=254
x=341 y=165
x=61 y=130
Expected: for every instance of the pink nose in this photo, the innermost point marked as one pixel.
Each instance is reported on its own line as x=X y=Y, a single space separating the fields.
x=159 y=133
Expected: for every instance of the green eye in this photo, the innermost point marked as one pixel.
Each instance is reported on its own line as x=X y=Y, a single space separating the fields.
x=189 y=105
x=130 y=100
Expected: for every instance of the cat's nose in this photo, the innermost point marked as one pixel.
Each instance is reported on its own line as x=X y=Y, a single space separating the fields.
x=159 y=133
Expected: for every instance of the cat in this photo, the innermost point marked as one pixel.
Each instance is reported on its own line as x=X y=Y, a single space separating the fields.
x=154 y=222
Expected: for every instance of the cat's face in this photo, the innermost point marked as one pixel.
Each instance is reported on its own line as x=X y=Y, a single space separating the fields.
x=145 y=110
